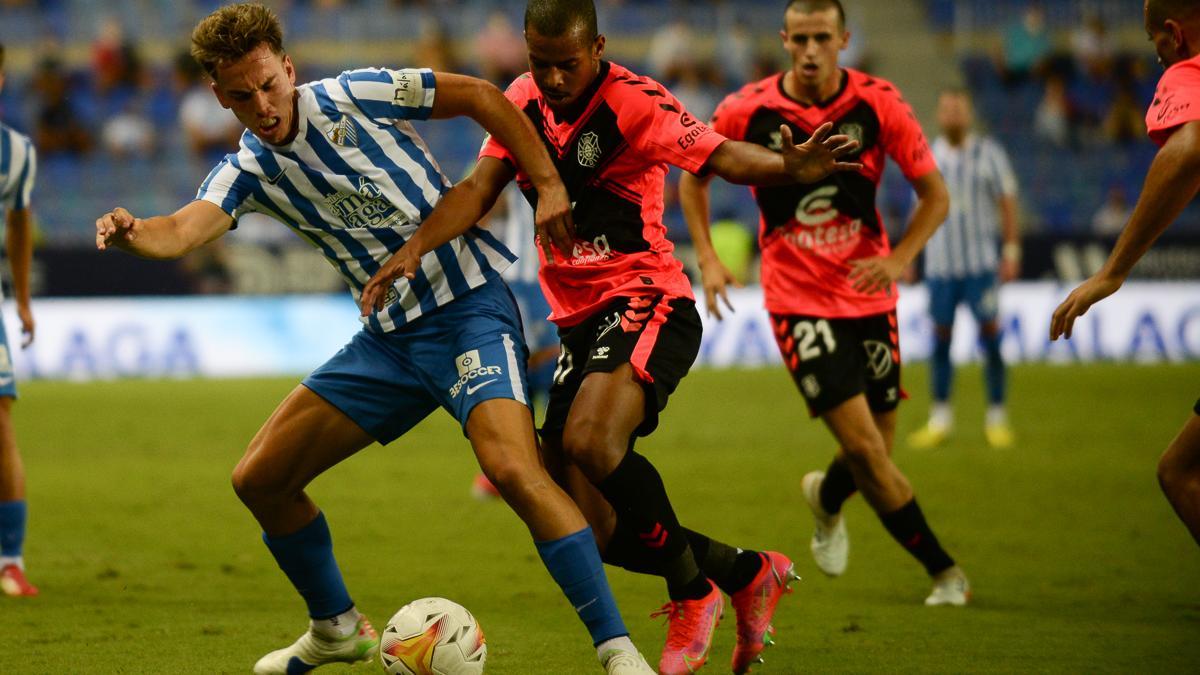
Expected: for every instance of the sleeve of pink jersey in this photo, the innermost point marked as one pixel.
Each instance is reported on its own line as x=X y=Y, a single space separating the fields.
x=663 y=131
x=1176 y=101
x=901 y=136
x=491 y=147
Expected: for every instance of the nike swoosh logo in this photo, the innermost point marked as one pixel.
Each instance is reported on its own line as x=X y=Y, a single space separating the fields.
x=474 y=388
x=277 y=177
x=587 y=604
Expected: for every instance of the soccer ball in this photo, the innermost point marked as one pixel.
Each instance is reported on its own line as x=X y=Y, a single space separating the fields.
x=432 y=636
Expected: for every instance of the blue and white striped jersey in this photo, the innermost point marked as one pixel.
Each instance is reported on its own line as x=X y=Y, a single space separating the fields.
x=18 y=169
x=516 y=231
x=356 y=182
x=977 y=175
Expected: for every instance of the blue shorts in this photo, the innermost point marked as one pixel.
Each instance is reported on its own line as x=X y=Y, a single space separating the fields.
x=540 y=334
x=978 y=291
x=8 y=382
x=460 y=355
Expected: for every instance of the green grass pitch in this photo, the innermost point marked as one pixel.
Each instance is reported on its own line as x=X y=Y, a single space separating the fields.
x=148 y=563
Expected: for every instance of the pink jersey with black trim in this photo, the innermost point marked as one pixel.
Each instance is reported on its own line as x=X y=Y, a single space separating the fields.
x=612 y=156
x=809 y=233
x=1176 y=100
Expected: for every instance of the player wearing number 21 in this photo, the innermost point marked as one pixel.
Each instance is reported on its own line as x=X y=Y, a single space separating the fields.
x=829 y=274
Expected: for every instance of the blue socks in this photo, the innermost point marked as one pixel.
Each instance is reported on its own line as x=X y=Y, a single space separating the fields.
x=306 y=557
x=993 y=369
x=941 y=371
x=575 y=564
x=12 y=528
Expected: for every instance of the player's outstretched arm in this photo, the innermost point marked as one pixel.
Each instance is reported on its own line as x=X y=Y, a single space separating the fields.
x=162 y=237
x=456 y=212
x=714 y=275
x=1171 y=183
x=19 y=246
x=814 y=159
x=483 y=102
x=872 y=275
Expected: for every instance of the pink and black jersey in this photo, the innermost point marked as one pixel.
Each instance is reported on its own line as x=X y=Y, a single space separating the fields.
x=809 y=233
x=1176 y=101
x=613 y=156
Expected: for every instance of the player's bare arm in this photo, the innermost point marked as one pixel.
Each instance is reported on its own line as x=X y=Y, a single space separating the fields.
x=162 y=237
x=1010 y=257
x=456 y=212
x=715 y=276
x=1171 y=183
x=872 y=275
x=19 y=246
x=808 y=162
x=460 y=95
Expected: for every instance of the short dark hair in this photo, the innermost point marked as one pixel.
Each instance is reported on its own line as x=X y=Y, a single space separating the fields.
x=555 y=18
x=1158 y=11
x=234 y=31
x=810 y=6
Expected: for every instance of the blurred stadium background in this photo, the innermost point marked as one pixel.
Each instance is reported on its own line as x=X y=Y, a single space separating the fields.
x=122 y=117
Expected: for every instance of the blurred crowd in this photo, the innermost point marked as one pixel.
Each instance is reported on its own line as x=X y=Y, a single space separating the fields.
x=1050 y=93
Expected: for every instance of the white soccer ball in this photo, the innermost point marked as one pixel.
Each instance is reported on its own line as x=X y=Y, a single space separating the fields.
x=432 y=636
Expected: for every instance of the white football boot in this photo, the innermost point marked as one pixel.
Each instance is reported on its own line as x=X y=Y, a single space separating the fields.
x=624 y=662
x=830 y=544
x=950 y=588
x=315 y=649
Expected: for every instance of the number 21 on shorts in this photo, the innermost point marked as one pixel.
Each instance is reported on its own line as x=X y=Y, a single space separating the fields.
x=807 y=334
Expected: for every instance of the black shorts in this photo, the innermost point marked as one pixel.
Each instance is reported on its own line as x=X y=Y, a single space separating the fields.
x=834 y=360
x=659 y=337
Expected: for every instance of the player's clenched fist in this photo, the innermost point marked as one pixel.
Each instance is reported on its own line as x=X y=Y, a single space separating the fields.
x=116 y=226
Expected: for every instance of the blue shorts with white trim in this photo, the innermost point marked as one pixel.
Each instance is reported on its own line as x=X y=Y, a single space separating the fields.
x=8 y=381
x=463 y=353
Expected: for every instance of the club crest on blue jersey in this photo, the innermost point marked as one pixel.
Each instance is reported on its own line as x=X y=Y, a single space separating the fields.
x=344 y=134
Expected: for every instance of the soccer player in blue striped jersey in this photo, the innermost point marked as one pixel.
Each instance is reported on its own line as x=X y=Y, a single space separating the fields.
x=964 y=263
x=338 y=161
x=18 y=169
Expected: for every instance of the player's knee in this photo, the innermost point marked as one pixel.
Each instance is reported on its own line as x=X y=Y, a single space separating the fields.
x=943 y=334
x=252 y=482
x=515 y=478
x=1172 y=473
x=864 y=448
x=592 y=447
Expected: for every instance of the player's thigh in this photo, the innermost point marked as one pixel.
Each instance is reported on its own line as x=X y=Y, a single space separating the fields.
x=944 y=296
x=854 y=426
x=608 y=408
x=502 y=436
x=981 y=292
x=303 y=437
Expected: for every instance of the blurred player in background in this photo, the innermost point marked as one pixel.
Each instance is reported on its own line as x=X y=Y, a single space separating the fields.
x=1173 y=122
x=18 y=170
x=338 y=161
x=627 y=321
x=829 y=274
x=962 y=265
